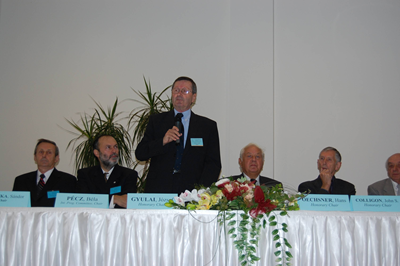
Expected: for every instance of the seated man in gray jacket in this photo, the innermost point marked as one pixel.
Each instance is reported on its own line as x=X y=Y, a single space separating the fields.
x=388 y=186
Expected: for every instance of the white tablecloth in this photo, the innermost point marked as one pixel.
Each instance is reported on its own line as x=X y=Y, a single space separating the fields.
x=73 y=236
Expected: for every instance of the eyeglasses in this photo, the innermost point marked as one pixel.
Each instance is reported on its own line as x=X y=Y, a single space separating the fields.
x=183 y=91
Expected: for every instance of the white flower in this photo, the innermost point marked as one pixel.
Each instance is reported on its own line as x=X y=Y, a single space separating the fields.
x=223 y=180
x=196 y=195
x=179 y=201
x=186 y=196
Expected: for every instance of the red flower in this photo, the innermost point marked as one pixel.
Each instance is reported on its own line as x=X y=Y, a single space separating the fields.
x=263 y=206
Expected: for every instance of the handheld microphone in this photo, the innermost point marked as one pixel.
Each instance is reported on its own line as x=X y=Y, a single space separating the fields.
x=178 y=124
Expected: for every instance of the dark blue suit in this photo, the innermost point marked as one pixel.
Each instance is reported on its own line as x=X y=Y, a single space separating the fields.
x=58 y=181
x=91 y=180
x=200 y=164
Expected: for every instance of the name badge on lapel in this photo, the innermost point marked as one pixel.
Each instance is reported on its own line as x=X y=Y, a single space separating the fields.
x=52 y=194
x=115 y=190
x=196 y=142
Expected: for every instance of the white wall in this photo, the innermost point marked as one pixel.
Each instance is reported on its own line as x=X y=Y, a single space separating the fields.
x=292 y=76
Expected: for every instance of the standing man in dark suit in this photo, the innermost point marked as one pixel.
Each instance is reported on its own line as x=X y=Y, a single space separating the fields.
x=108 y=177
x=328 y=163
x=251 y=163
x=47 y=181
x=389 y=186
x=180 y=161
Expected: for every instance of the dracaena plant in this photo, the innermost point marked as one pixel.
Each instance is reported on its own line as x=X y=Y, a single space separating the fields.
x=103 y=121
x=149 y=103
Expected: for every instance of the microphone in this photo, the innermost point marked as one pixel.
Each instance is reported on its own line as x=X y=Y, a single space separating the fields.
x=178 y=124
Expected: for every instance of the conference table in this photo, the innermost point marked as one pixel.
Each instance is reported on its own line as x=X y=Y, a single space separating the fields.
x=80 y=236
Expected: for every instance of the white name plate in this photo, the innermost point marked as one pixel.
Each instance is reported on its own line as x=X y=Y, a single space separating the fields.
x=77 y=200
x=322 y=202
x=148 y=200
x=375 y=203
x=15 y=199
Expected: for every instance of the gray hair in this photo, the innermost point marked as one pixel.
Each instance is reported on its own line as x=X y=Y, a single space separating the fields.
x=387 y=161
x=338 y=157
x=250 y=145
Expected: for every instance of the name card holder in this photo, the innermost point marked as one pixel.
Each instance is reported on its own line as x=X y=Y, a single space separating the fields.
x=15 y=199
x=148 y=200
x=80 y=200
x=325 y=202
x=375 y=203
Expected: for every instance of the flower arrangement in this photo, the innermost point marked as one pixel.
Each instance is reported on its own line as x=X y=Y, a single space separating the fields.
x=259 y=205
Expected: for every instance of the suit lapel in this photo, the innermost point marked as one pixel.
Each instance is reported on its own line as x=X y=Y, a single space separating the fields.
x=98 y=179
x=388 y=188
x=193 y=124
x=114 y=177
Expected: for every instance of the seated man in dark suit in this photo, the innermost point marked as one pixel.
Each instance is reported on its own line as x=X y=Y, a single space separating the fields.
x=47 y=180
x=328 y=164
x=251 y=163
x=389 y=186
x=108 y=177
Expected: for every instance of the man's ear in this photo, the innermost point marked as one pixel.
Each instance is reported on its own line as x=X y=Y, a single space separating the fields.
x=96 y=153
x=338 y=165
x=57 y=159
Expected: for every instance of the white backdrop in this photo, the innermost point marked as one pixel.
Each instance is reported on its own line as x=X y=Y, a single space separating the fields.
x=292 y=76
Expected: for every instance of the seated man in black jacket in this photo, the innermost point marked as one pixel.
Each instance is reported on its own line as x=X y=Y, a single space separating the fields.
x=329 y=163
x=47 y=180
x=108 y=177
x=251 y=163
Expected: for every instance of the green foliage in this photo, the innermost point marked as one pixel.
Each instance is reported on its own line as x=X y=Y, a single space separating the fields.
x=149 y=103
x=107 y=122
x=245 y=213
x=101 y=122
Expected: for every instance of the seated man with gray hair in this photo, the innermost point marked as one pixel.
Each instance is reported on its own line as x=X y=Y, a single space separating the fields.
x=251 y=163
x=328 y=163
x=389 y=186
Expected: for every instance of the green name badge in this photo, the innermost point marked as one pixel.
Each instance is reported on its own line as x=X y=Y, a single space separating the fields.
x=375 y=203
x=324 y=202
x=78 y=200
x=148 y=200
x=15 y=199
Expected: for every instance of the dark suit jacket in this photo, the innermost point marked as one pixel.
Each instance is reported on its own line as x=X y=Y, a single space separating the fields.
x=58 y=181
x=91 y=180
x=200 y=164
x=383 y=187
x=266 y=181
x=339 y=186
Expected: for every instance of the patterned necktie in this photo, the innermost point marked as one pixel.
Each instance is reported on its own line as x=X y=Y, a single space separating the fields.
x=40 y=185
x=180 y=146
x=254 y=181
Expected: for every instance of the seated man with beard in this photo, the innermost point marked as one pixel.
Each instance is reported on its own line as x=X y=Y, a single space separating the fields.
x=108 y=177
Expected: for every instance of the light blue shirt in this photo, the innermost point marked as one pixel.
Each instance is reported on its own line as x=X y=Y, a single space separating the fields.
x=185 y=123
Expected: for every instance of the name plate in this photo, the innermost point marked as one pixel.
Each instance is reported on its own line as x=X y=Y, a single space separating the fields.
x=375 y=203
x=77 y=200
x=148 y=200
x=15 y=199
x=322 y=202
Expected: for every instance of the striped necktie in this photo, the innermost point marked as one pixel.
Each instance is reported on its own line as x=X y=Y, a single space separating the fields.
x=41 y=184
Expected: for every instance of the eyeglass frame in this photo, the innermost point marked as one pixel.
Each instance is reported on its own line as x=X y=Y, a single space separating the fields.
x=183 y=91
